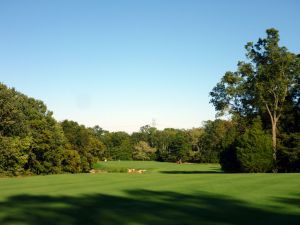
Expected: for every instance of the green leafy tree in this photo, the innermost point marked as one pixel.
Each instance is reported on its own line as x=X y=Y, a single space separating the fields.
x=289 y=153
x=142 y=151
x=165 y=138
x=118 y=145
x=146 y=133
x=71 y=162
x=12 y=118
x=13 y=155
x=195 y=135
x=254 y=150
x=260 y=86
x=176 y=145
x=249 y=152
x=26 y=118
x=180 y=147
x=48 y=141
x=85 y=141
x=217 y=136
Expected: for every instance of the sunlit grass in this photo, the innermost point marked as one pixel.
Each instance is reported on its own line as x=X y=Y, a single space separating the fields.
x=156 y=167
x=167 y=193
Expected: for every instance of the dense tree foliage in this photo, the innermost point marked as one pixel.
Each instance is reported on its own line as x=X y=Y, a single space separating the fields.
x=289 y=153
x=85 y=143
x=251 y=152
x=266 y=86
x=13 y=154
x=217 y=136
x=118 y=146
x=29 y=134
x=33 y=142
x=142 y=151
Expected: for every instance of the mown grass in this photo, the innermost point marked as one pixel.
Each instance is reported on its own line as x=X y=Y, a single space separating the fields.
x=167 y=194
x=156 y=167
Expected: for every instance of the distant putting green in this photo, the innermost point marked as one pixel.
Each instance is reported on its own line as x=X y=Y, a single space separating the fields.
x=167 y=193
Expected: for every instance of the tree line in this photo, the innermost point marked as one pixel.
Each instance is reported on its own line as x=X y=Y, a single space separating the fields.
x=262 y=135
x=33 y=142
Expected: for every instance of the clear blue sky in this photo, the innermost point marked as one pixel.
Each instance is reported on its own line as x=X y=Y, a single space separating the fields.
x=120 y=64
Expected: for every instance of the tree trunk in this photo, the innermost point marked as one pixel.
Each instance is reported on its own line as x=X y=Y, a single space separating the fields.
x=274 y=119
x=274 y=136
x=274 y=142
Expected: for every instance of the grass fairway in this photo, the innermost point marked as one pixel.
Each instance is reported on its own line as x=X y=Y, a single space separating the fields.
x=166 y=194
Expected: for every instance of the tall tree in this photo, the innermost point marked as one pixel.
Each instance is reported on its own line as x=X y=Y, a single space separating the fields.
x=261 y=85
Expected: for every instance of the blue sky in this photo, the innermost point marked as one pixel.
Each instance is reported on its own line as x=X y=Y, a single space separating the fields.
x=120 y=64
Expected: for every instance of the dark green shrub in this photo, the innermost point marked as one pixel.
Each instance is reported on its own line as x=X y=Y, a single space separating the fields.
x=254 y=150
x=228 y=159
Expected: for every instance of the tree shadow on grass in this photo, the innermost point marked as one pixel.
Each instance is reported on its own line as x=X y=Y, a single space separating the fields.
x=138 y=207
x=295 y=201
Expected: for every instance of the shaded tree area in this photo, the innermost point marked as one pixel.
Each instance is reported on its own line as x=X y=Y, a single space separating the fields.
x=265 y=88
x=145 y=207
